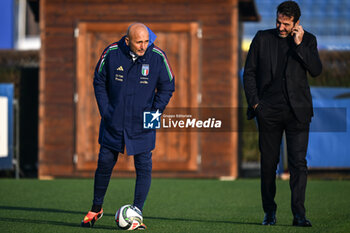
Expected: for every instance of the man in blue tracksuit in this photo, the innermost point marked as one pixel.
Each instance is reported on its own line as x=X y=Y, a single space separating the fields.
x=132 y=76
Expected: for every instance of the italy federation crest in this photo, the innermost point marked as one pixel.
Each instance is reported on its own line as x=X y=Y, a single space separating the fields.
x=145 y=69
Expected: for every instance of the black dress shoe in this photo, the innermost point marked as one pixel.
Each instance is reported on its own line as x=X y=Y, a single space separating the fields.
x=301 y=221
x=269 y=218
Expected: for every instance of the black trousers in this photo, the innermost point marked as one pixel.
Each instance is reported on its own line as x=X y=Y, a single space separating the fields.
x=272 y=122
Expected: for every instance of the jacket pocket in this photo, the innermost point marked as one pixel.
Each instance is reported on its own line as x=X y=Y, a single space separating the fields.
x=108 y=113
x=138 y=118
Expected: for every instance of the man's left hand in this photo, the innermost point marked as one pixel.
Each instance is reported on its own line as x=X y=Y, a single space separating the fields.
x=298 y=33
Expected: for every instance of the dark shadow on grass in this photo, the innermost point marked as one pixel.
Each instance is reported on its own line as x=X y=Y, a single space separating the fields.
x=106 y=214
x=213 y=221
x=50 y=222
x=200 y=220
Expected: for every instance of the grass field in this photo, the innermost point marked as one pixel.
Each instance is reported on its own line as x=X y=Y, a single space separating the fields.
x=173 y=205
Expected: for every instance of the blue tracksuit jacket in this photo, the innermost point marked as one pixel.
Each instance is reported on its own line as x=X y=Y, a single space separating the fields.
x=125 y=89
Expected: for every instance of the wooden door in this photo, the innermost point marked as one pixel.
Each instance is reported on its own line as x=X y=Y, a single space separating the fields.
x=175 y=151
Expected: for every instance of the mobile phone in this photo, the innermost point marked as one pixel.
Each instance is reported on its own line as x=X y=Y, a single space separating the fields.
x=293 y=31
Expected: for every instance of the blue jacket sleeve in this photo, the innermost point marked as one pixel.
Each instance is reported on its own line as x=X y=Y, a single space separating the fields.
x=101 y=83
x=165 y=85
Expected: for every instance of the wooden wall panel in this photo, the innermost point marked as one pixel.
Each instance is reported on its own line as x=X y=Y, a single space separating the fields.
x=219 y=72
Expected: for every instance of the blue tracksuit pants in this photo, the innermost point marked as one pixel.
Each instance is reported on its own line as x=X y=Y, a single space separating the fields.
x=107 y=159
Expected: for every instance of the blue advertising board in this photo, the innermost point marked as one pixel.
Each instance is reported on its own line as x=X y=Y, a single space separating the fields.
x=6 y=24
x=6 y=125
x=329 y=139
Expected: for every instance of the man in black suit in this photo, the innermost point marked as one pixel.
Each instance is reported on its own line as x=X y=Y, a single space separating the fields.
x=278 y=95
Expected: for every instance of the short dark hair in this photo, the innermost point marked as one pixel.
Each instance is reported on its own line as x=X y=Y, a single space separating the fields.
x=289 y=9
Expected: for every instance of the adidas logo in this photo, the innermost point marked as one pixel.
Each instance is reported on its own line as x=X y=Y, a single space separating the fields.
x=120 y=68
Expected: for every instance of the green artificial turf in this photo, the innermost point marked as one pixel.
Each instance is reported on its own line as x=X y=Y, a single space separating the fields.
x=173 y=205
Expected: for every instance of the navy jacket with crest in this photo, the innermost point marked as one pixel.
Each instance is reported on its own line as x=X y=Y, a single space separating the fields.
x=124 y=89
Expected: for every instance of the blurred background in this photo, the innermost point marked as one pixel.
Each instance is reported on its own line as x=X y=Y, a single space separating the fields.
x=49 y=119
x=327 y=19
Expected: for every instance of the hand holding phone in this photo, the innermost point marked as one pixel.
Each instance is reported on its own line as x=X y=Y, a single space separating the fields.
x=297 y=33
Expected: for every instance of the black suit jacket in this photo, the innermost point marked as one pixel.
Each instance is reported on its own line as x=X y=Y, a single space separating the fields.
x=260 y=69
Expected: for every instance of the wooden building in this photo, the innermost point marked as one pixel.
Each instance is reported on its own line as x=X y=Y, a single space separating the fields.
x=202 y=42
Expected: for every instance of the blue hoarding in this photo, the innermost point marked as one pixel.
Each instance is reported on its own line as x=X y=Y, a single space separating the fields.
x=6 y=24
x=6 y=125
x=329 y=141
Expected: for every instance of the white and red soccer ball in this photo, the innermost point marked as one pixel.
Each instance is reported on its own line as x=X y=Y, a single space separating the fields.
x=128 y=217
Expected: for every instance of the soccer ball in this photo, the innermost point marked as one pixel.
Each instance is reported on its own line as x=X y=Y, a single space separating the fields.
x=128 y=217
